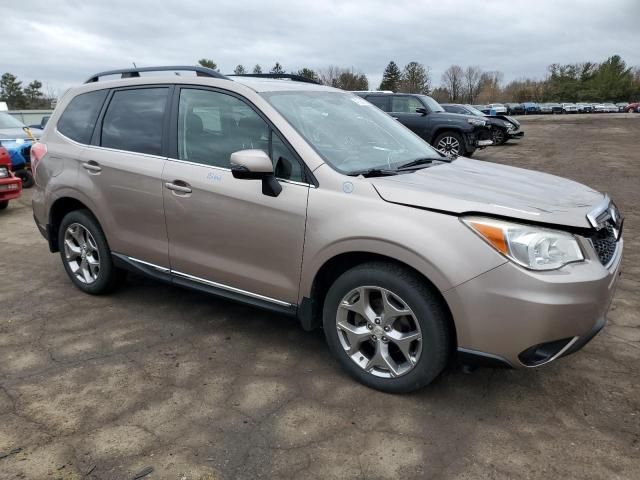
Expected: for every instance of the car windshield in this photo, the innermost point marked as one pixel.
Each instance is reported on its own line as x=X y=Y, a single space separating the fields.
x=7 y=121
x=431 y=103
x=348 y=132
x=473 y=111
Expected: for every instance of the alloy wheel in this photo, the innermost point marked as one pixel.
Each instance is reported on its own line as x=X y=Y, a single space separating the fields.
x=379 y=332
x=498 y=136
x=81 y=253
x=450 y=146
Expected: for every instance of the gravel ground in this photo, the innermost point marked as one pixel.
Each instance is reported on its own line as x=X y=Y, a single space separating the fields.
x=199 y=388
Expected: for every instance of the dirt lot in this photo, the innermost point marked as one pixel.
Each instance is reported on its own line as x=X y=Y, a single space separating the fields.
x=199 y=388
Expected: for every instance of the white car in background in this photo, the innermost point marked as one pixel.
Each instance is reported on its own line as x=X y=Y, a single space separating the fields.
x=569 y=108
x=498 y=107
x=610 y=108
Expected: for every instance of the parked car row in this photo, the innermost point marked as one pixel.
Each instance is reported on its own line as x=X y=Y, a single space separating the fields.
x=454 y=134
x=17 y=139
x=529 y=108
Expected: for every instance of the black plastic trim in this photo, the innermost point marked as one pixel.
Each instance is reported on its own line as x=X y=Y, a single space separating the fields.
x=475 y=358
x=122 y=261
x=287 y=76
x=582 y=341
x=305 y=315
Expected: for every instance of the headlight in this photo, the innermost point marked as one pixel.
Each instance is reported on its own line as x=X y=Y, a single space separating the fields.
x=532 y=247
x=4 y=173
x=477 y=121
x=507 y=124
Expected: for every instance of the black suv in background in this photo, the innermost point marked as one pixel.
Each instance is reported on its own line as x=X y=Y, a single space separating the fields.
x=452 y=134
x=503 y=127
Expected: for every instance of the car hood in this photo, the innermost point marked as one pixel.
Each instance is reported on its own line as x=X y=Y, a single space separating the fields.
x=18 y=133
x=473 y=186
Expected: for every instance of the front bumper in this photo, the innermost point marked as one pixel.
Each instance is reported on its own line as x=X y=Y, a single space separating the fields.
x=522 y=318
x=517 y=135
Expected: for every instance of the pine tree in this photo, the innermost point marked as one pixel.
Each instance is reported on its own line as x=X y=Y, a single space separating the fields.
x=208 y=63
x=257 y=69
x=239 y=70
x=277 y=68
x=391 y=77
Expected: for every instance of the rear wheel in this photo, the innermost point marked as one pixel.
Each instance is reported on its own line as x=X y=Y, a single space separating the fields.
x=386 y=327
x=450 y=143
x=86 y=255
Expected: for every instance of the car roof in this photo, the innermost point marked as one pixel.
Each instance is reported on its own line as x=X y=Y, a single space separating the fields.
x=237 y=84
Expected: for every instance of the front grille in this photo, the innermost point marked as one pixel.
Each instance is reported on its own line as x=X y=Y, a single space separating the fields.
x=604 y=242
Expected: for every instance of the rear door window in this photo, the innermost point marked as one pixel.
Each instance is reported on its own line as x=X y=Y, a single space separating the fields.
x=134 y=120
x=79 y=118
x=404 y=104
x=379 y=101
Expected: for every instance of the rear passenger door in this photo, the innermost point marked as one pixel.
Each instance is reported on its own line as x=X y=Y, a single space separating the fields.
x=122 y=172
x=403 y=107
x=224 y=232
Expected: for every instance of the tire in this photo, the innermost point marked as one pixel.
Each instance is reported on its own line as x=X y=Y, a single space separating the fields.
x=499 y=136
x=26 y=177
x=103 y=279
x=427 y=324
x=4 y=204
x=447 y=140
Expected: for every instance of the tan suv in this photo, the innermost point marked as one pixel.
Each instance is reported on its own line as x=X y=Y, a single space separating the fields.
x=309 y=201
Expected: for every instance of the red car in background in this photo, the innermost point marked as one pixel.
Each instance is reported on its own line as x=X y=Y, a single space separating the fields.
x=632 y=107
x=10 y=186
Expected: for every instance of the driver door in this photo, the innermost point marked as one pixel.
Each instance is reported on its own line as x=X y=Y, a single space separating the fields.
x=224 y=232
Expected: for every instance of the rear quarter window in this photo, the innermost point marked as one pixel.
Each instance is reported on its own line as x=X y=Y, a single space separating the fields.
x=79 y=118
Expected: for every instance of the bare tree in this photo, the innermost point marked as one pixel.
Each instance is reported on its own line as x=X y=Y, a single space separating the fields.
x=453 y=81
x=489 y=90
x=329 y=75
x=472 y=76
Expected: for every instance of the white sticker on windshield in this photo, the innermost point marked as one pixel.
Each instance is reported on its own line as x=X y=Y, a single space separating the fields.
x=360 y=101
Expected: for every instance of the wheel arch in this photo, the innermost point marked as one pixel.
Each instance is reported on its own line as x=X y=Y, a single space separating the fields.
x=310 y=308
x=59 y=208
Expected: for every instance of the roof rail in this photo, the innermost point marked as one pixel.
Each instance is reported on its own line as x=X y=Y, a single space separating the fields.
x=135 y=72
x=288 y=76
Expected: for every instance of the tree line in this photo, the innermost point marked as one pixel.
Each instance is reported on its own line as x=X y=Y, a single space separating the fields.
x=610 y=80
x=18 y=97
x=338 y=77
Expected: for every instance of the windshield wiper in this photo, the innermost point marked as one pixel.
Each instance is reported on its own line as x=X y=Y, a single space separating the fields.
x=373 y=172
x=420 y=162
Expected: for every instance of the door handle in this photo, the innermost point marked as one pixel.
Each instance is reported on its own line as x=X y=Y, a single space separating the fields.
x=92 y=166
x=394 y=117
x=181 y=187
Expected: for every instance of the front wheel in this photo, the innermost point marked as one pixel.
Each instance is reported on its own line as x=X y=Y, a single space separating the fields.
x=386 y=327
x=4 y=204
x=499 y=136
x=450 y=144
x=86 y=255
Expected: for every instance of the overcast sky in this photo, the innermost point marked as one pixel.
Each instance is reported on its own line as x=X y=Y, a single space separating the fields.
x=63 y=42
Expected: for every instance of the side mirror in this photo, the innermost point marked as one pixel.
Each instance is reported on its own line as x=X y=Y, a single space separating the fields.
x=255 y=165
x=421 y=110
